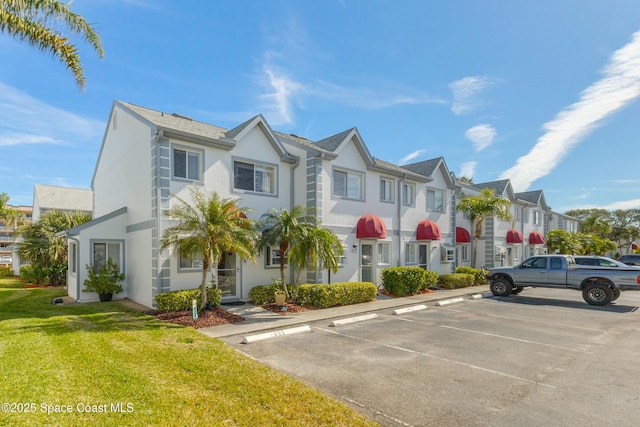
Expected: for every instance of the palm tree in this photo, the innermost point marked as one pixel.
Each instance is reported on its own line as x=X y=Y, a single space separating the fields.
x=319 y=248
x=482 y=206
x=208 y=226
x=32 y=21
x=284 y=228
x=43 y=246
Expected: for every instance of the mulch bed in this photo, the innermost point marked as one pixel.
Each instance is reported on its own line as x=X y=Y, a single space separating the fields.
x=423 y=291
x=290 y=308
x=206 y=318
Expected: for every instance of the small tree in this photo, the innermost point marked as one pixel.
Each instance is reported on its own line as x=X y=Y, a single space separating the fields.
x=319 y=248
x=285 y=228
x=207 y=227
x=480 y=207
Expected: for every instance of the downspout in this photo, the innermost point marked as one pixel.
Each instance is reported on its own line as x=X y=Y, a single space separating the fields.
x=159 y=134
x=399 y=213
x=292 y=200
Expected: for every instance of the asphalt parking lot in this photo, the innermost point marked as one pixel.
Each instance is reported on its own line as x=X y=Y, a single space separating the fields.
x=541 y=358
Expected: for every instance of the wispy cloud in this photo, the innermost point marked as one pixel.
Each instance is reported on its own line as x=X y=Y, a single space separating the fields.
x=481 y=136
x=468 y=169
x=406 y=159
x=289 y=79
x=623 y=204
x=25 y=120
x=466 y=91
x=619 y=86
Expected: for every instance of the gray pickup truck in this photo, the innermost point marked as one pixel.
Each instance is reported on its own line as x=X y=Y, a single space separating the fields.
x=599 y=285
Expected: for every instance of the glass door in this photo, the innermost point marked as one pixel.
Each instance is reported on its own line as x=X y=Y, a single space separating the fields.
x=422 y=257
x=366 y=262
x=227 y=276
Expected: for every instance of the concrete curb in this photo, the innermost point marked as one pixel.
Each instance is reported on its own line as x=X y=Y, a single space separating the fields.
x=274 y=334
x=410 y=309
x=449 y=301
x=355 y=319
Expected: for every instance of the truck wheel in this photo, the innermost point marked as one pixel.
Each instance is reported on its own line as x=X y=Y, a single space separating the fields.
x=501 y=287
x=597 y=294
x=616 y=294
x=517 y=290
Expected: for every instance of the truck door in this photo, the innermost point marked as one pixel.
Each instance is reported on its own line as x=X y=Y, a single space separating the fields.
x=557 y=272
x=533 y=271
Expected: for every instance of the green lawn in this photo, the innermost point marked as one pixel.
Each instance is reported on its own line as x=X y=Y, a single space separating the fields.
x=102 y=364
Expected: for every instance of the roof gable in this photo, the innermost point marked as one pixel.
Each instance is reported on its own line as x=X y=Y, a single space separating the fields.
x=239 y=132
x=500 y=188
x=535 y=197
x=336 y=142
x=429 y=167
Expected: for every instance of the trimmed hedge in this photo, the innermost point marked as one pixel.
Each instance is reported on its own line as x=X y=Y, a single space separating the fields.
x=335 y=294
x=403 y=281
x=479 y=275
x=6 y=272
x=455 y=280
x=183 y=300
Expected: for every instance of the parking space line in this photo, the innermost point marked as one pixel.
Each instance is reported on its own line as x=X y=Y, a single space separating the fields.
x=514 y=339
x=443 y=359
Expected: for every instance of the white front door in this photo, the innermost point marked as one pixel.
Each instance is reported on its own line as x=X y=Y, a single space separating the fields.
x=367 y=262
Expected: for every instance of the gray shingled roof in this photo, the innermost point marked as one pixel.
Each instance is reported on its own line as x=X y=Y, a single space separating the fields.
x=332 y=142
x=497 y=186
x=51 y=197
x=426 y=167
x=530 y=196
x=176 y=122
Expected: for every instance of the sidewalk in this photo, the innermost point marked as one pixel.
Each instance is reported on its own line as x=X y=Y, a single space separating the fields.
x=258 y=319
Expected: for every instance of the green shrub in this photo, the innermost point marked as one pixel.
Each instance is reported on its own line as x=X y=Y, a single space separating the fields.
x=6 y=272
x=479 y=275
x=261 y=295
x=403 y=281
x=455 y=280
x=183 y=300
x=335 y=294
x=27 y=274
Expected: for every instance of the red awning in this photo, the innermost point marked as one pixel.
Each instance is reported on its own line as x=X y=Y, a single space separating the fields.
x=536 y=238
x=428 y=230
x=462 y=235
x=370 y=227
x=514 y=236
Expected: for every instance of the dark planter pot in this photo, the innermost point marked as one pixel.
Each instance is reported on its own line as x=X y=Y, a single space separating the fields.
x=105 y=297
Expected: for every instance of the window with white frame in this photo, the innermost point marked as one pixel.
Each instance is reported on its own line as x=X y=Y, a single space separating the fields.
x=465 y=249
x=536 y=217
x=408 y=194
x=348 y=184
x=186 y=163
x=256 y=177
x=411 y=253
x=342 y=257
x=386 y=190
x=103 y=251
x=272 y=257
x=193 y=262
x=435 y=200
x=517 y=213
x=73 y=256
x=384 y=253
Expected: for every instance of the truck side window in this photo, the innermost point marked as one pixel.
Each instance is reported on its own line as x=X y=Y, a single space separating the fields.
x=540 y=263
x=556 y=264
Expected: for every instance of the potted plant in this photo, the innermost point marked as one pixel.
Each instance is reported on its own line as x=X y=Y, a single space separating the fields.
x=105 y=282
x=280 y=294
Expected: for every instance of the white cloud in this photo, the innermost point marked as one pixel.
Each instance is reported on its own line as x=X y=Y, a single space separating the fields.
x=406 y=159
x=26 y=121
x=468 y=169
x=284 y=89
x=623 y=204
x=619 y=86
x=482 y=136
x=466 y=91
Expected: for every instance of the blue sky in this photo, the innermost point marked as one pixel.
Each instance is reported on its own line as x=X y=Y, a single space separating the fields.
x=544 y=93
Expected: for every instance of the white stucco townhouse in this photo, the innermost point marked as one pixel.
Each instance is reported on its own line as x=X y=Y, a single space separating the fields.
x=386 y=215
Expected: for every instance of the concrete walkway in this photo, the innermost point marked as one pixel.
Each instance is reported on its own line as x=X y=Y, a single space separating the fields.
x=258 y=319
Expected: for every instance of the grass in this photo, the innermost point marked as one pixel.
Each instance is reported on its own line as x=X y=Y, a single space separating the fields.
x=109 y=366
